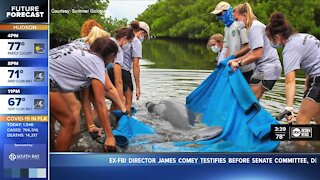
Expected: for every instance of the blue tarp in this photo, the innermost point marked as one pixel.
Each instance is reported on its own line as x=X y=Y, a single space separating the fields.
x=224 y=99
x=130 y=128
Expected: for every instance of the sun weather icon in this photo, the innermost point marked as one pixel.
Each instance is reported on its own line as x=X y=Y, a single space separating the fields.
x=39 y=76
x=38 y=104
x=39 y=48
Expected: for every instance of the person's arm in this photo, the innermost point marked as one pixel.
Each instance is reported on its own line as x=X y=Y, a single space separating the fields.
x=118 y=79
x=256 y=39
x=226 y=43
x=100 y=106
x=290 y=86
x=86 y=106
x=228 y=52
x=242 y=51
x=255 y=55
x=136 y=74
x=112 y=92
x=244 y=40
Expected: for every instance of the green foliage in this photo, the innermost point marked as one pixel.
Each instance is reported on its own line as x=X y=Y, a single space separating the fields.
x=113 y=24
x=192 y=19
x=68 y=26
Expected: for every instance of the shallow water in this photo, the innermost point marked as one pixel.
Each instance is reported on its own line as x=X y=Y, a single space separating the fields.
x=161 y=82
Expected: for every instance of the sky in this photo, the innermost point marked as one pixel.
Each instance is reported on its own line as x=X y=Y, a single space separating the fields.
x=127 y=8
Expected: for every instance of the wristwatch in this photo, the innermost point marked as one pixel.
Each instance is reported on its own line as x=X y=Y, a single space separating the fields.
x=126 y=113
x=240 y=63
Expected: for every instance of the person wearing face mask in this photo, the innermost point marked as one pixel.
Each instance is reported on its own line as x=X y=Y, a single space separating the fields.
x=74 y=69
x=110 y=90
x=268 y=67
x=90 y=30
x=132 y=53
x=94 y=33
x=117 y=75
x=235 y=36
x=301 y=51
x=215 y=44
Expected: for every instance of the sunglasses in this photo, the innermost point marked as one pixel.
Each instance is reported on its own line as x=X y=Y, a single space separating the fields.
x=222 y=13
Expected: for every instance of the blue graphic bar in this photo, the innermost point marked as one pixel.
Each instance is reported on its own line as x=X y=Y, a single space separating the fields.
x=27 y=62
x=24 y=89
x=185 y=166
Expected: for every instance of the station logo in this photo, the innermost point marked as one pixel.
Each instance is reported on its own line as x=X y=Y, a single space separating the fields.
x=39 y=48
x=39 y=76
x=12 y=157
x=38 y=103
x=22 y=157
x=301 y=132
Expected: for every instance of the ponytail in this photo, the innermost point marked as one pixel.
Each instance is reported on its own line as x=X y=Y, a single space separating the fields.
x=246 y=8
x=95 y=33
x=279 y=25
x=135 y=26
x=122 y=32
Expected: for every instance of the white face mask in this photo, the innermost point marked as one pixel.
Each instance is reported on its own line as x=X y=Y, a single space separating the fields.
x=276 y=46
x=141 y=39
x=215 y=48
x=124 y=42
x=241 y=24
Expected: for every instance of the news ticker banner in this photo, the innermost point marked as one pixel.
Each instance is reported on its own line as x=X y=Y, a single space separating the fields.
x=184 y=166
x=24 y=89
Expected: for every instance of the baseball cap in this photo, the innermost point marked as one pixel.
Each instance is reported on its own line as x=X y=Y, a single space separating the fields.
x=221 y=6
x=145 y=27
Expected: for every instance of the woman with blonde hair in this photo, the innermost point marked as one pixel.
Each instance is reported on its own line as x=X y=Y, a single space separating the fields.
x=86 y=28
x=110 y=90
x=268 y=66
x=73 y=69
x=83 y=43
x=94 y=34
x=215 y=43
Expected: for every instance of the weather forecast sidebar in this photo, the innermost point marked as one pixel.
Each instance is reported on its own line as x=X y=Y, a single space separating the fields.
x=24 y=89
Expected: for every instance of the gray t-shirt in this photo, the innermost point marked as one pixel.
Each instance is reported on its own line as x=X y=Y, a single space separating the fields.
x=302 y=51
x=81 y=43
x=131 y=50
x=222 y=55
x=234 y=37
x=269 y=66
x=119 y=57
x=72 y=68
